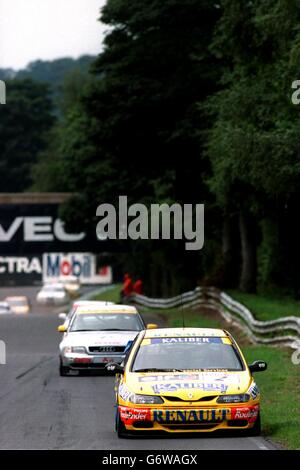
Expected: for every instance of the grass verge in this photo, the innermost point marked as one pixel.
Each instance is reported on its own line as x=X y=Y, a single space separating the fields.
x=111 y=295
x=265 y=307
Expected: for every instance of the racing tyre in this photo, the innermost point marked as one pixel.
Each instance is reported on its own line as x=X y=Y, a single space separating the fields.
x=120 y=428
x=63 y=370
x=256 y=430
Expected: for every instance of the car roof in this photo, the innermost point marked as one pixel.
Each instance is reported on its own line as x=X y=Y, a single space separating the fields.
x=102 y=309
x=184 y=332
x=15 y=297
x=68 y=278
x=54 y=284
x=92 y=303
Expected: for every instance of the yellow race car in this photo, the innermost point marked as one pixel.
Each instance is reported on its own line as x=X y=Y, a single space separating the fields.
x=186 y=380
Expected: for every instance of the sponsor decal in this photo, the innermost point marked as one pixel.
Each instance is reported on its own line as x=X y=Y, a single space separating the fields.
x=246 y=412
x=169 y=378
x=58 y=264
x=124 y=392
x=38 y=229
x=106 y=343
x=204 y=387
x=190 y=334
x=254 y=391
x=20 y=265
x=129 y=415
x=81 y=265
x=188 y=416
x=185 y=340
x=217 y=377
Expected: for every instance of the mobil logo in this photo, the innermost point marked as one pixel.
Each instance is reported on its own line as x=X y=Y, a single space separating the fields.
x=72 y=264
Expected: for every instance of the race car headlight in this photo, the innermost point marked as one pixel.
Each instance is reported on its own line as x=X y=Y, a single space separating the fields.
x=75 y=349
x=239 y=398
x=78 y=349
x=145 y=399
x=137 y=399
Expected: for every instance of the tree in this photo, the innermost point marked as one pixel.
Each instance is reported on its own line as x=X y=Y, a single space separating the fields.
x=48 y=172
x=135 y=131
x=24 y=123
x=54 y=73
x=253 y=145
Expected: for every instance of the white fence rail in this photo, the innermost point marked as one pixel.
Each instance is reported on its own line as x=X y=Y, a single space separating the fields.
x=284 y=331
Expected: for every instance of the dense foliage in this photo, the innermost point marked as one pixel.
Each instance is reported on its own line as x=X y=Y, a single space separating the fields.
x=24 y=123
x=190 y=101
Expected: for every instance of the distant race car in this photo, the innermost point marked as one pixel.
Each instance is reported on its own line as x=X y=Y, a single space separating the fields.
x=4 y=308
x=53 y=294
x=71 y=284
x=66 y=317
x=18 y=304
x=97 y=335
x=186 y=380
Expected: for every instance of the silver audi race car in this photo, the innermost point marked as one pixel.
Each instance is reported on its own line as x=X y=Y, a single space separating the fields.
x=96 y=336
x=67 y=317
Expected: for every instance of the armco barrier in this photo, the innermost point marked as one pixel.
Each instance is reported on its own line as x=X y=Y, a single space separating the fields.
x=284 y=331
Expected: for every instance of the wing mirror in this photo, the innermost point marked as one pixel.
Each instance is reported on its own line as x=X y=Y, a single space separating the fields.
x=115 y=367
x=258 y=366
x=62 y=329
x=151 y=326
x=62 y=316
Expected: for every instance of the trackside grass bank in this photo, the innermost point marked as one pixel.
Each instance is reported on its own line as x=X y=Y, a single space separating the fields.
x=265 y=307
x=279 y=385
x=112 y=295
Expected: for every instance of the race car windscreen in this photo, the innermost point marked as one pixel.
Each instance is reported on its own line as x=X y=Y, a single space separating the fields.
x=18 y=303
x=106 y=322
x=53 y=288
x=186 y=354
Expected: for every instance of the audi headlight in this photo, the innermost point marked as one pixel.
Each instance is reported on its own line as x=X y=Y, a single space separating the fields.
x=75 y=349
x=137 y=399
x=238 y=398
x=78 y=349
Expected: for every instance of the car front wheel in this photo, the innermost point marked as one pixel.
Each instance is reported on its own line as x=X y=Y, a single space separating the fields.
x=256 y=430
x=120 y=428
x=63 y=370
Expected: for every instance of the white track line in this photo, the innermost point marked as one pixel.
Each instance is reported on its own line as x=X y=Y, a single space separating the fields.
x=259 y=444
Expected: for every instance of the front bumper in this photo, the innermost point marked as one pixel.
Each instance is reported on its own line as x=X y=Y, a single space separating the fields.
x=51 y=301
x=90 y=361
x=197 y=419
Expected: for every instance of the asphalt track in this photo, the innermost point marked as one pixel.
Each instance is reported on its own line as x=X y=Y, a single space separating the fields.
x=41 y=410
